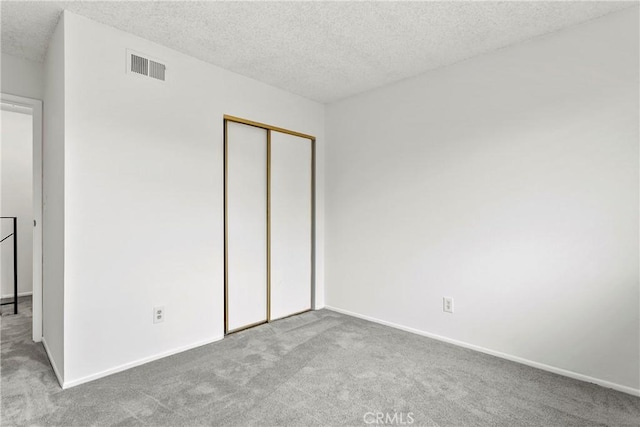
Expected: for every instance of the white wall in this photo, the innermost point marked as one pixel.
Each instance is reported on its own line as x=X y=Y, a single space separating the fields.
x=508 y=182
x=16 y=150
x=53 y=160
x=21 y=77
x=143 y=196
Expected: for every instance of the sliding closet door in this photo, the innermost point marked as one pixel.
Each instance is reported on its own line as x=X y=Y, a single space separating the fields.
x=246 y=206
x=291 y=224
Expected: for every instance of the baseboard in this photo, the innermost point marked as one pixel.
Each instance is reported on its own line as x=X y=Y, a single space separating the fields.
x=124 y=367
x=553 y=369
x=20 y=294
x=52 y=362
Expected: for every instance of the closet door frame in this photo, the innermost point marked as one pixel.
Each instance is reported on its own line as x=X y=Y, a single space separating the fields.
x=269 y=129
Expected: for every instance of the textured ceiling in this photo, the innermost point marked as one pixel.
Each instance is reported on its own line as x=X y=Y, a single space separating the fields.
x=324 y=51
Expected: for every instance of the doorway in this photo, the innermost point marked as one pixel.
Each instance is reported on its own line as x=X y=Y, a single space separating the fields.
x=21 y=205
x=269 y=223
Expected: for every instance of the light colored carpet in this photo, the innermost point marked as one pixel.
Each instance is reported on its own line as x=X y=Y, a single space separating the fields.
x=318 y=368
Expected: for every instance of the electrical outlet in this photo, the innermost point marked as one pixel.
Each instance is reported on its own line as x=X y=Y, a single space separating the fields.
x=158 y=314
x=447 y=304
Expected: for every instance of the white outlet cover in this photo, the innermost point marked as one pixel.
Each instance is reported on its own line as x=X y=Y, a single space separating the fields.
x=158 y=314
x=447 y=304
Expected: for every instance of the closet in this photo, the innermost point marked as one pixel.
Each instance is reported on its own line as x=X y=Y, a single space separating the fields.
x=269 y=223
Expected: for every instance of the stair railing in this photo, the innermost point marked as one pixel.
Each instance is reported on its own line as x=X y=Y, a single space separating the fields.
x=15 y=262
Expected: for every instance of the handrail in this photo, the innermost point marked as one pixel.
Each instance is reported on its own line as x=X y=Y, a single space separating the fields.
x=15 y=262
x=6 y=238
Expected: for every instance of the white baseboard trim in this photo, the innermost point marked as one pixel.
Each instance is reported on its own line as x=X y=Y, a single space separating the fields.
x=20 y=294
x=553 y=369
x=52 y=362
x=124 y=367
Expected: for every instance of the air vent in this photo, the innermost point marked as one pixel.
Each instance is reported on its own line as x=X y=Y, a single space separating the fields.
x=157 y=70
x=139 y=65
x=143 y=65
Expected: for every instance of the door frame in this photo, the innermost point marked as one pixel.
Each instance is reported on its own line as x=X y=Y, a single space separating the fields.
x=269 y=129
x=36 y=119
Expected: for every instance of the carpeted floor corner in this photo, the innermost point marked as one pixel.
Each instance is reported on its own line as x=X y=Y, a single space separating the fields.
x=320 y=369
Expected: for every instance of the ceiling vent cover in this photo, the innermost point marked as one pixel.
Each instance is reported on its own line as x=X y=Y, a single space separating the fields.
x=143 y=65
